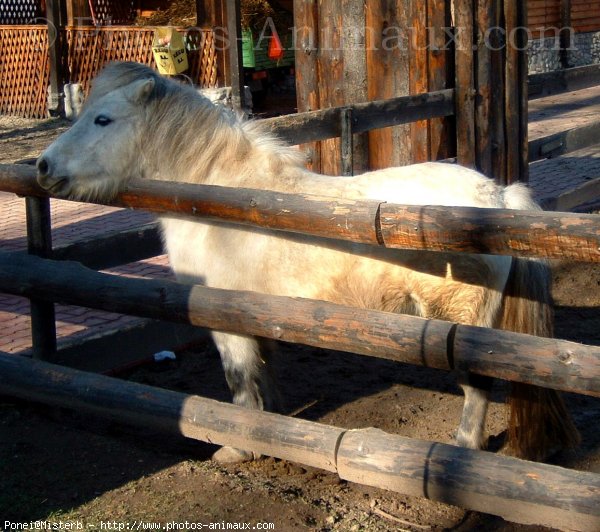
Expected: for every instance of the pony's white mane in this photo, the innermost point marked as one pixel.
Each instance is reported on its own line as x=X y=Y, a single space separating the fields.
x=179 y=120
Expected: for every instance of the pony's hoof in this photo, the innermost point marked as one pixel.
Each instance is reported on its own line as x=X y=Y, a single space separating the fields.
x=231 y=455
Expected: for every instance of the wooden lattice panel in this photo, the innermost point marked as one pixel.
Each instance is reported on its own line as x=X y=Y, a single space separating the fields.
x=20 y=11
x=24 y=71
x=202 y=57
x=24 y=67
x=90 y=48
x=113 y=12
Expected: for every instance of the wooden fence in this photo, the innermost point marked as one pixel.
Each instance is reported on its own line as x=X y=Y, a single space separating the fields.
x=581 y=15
x=521 y=491
x=558 y=497
x=563 y=498
x=24 y=59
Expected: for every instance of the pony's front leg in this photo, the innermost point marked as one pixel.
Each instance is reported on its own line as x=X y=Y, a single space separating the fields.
x=476 y=388
x=245 y=362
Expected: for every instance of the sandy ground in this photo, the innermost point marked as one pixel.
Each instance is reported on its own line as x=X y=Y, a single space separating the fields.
x=62 y=466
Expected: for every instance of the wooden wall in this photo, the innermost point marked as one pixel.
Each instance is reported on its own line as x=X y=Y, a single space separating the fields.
x=585 y=15
x=582 y=15
x=349 y=51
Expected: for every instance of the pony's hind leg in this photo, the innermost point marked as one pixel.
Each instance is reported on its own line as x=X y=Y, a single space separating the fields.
x=476 y=388
x=245 y=362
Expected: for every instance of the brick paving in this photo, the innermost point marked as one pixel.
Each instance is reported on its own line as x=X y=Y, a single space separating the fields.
x=71 y=222
x=75 y=221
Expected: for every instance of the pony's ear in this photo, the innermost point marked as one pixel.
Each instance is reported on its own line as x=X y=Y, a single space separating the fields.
x=139 y=91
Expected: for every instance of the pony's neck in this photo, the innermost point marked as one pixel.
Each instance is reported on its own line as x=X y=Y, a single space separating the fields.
x=196 y=142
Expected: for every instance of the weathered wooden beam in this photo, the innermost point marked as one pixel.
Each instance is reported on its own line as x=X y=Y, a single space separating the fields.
x=521 y=491
x=581 y=198
x=483 y=103
x=564 y=142
x=525 y=492
x=562 y=80
x=436 y=228
x=465 y=83
x=346 y=144
x=442 y=138
x=326 y=123
x=515 y=91
x=113 y=249
x=171 y=412
x=433 y=343
x=355 y=77
x=307 y=84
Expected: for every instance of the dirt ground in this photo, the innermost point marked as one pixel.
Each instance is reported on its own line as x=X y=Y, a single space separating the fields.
x=61 y=466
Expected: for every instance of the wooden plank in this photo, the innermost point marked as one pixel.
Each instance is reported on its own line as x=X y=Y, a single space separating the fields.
x=547 y=362
x=355 y=78
x=442 y=141
x=523 y=88
x=517 y=490
x=584 y=194
x=330 y=68
x=439 y=228
x=388 y=77
x=315 y=125
x=171 y=412
x=483 y=137
x=511 y=94
x=307 y=84
x=419 y=75
x=465 y=89
x=346 y=146
x=497 y=108
x=114 y=249
x=564 y=142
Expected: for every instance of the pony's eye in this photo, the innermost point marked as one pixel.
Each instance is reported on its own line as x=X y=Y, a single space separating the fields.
x=102 y=120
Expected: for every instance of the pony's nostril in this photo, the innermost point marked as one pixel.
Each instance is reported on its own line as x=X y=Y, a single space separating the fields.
x=42 y=166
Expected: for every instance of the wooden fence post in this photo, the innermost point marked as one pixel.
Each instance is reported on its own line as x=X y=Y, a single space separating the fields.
x=236 y=67
x=39 y=242
x=56 y=18
x=347 y=143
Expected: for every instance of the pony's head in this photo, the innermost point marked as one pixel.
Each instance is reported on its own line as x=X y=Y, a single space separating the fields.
x=103 y=149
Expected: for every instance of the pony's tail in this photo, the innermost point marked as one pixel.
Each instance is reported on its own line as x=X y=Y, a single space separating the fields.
x=539 y=422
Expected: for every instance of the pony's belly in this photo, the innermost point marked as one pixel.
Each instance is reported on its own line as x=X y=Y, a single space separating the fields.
x=457 y=287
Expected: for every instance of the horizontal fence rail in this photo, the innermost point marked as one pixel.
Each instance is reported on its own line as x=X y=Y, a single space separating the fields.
x=454 y=229
x=439 y=344
x=327 y=123
x=521 y=491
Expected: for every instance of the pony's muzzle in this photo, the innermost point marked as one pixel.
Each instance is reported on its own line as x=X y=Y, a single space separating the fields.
x=47 y=180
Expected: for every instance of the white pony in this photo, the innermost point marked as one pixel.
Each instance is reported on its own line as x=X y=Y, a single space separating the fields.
x=136 y=123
